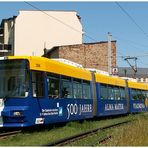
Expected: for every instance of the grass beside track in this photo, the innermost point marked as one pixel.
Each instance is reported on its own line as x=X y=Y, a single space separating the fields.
x=44 y=136
x=131 y=134
x=135 y=134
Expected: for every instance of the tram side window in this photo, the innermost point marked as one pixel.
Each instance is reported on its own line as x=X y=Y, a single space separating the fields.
x=144 y=94
x=122 y=92
x=141 y=95
x=104 y=91
x=137 y=94
x=77 y=89
x=86 y=90
x=134 y=94
x=38 y=83
x=117 y=93
x=146 y=98
x=66 y=87
x=111 y=94
x=53 y=86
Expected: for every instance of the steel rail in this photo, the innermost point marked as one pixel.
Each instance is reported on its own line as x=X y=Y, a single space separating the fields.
x=102 y=140
x=7 y=134
x=73 y=138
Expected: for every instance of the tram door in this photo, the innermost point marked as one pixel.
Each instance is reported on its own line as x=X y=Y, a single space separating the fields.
x=38 y=84
x=38 y=93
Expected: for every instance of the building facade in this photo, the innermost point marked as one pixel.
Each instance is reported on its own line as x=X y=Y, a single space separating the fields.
x=89 y=55
x=7 y=36
x=31 y=31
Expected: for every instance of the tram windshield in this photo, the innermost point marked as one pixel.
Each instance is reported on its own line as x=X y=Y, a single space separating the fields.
x=14 y=78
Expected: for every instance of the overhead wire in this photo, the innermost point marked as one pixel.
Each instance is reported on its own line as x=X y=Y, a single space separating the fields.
x=132 y=19
x=138 y=26
x=131 y=44
x=143 y=62
x=63 y=23
x=130 y=41
x=71 y=27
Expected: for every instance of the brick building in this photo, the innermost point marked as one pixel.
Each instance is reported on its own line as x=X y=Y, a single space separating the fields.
x=90 y=55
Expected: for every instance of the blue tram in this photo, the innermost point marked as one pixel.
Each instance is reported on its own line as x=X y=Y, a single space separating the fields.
x=37 y=90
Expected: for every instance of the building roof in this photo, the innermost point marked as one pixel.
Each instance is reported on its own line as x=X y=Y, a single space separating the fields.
x=141 y=72
x=101 y=42
x=48 y=51
x=56 y=11
x=51 y=10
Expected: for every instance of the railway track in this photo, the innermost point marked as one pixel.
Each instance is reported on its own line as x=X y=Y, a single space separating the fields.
x=9 y=134
x=102 y=140
x=68 y=140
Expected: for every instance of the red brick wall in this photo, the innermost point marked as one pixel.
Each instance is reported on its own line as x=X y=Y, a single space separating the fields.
x=91 y=55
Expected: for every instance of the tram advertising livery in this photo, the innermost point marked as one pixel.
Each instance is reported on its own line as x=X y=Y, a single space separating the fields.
x=38 y=90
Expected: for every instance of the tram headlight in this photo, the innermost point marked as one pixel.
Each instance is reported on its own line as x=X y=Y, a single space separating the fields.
x=17 y=113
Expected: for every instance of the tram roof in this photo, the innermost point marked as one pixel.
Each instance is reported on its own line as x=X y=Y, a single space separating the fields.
x=110 y=80
x=49 y=65
x=120 y=82
x=137 y=85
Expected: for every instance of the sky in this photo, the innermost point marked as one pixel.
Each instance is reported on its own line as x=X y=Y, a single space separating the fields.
x=126 y=21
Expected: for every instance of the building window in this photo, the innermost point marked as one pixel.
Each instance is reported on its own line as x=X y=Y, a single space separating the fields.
x=139 y=79
x=144 y=79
